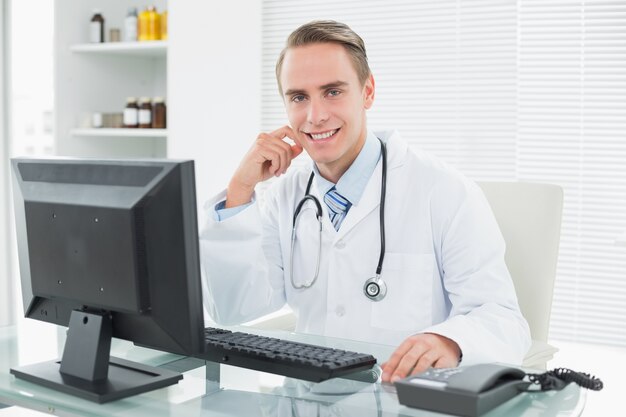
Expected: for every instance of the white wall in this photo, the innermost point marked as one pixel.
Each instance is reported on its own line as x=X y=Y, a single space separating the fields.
x=6 y=288
x=214 y=87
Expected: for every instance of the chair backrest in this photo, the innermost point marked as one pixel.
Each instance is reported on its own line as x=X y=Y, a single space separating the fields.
x=529 y=216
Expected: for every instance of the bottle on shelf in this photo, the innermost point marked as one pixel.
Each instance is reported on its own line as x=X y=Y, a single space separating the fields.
x=130 y=25
x=164 y=25
x=131 y=113
x=158 y=113
x=96 y=120
x=96 y=27
x=114 y=35
x=145 y=113
x=154 y=24
x=142 y=25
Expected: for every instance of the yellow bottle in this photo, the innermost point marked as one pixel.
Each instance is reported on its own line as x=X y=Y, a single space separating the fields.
x=164 y=25
x=142 y=23
x=154 y=24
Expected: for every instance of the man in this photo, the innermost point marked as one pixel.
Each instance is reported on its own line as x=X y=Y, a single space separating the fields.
x=448 y=293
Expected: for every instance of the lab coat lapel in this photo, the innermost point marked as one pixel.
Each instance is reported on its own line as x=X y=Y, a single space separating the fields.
x=327 y=226
x=368 y=203
x=396 y=153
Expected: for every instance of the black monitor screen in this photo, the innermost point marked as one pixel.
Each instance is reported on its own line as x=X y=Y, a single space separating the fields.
x=114 y=238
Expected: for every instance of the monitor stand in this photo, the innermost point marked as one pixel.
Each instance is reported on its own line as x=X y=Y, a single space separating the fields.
x=88 y=371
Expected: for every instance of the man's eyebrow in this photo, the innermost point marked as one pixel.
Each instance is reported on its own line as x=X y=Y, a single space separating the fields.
x=334 y=84
x=293 y=92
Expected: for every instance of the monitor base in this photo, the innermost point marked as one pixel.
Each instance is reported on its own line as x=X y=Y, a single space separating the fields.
x=125 y=378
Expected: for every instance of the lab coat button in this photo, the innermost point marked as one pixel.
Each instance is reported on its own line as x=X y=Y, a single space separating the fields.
x=341 y=244
x=340 y=311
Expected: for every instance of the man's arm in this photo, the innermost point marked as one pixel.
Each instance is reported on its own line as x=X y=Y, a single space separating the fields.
x=485 y=324
x=240 y=251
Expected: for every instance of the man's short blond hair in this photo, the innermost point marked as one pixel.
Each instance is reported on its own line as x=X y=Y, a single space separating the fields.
x=328 y=31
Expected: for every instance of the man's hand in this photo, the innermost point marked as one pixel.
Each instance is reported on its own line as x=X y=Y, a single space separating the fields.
x=269 y=156
x=420 y=352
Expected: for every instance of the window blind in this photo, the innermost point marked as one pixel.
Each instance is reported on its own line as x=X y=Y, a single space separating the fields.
x=505 y=90
x=572 y=132
x=444 y=71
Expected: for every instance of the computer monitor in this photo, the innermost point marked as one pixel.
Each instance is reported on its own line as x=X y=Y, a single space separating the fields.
x=109 y=248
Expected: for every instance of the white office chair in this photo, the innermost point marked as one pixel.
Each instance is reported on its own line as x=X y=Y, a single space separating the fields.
x=529 y=216
x=283 y=319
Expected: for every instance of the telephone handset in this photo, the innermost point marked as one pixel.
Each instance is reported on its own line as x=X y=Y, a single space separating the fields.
x=483 y=378
x=466 y=391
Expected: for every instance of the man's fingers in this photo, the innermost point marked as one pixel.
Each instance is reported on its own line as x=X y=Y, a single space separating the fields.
x=284 y=132
x=390 y=366
x=427 y=360
x=445 y=362
x=417 y=353
x=288 y=153
x=296 y=150
x=273 y=142
x=287 y=132
x=277 y=151
x=268 y=156
x=292 y=135
x=272 y=161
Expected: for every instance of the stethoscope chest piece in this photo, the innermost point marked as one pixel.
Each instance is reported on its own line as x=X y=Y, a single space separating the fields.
x=375 y=288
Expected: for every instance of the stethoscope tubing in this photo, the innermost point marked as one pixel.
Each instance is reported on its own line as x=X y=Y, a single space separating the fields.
x=309 y=197
x=318 y=215
x=383 y=192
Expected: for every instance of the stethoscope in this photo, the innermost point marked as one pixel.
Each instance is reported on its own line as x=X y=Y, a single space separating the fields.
x=374 y=288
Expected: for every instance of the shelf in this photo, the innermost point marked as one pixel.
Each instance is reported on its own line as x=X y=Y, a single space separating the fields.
x=119 y=133
x=147 y=48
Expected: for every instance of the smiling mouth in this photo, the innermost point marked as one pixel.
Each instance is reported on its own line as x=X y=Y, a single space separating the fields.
x=322 y=136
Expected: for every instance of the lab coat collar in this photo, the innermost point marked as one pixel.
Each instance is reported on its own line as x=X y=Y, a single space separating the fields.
x=370 y=200
x=396 y=155
x=353 y=182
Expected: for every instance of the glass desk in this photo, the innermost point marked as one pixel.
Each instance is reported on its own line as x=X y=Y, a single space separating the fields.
x=220 y=390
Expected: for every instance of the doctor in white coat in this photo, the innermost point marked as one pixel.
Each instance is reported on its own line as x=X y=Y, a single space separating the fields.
x=449 y=296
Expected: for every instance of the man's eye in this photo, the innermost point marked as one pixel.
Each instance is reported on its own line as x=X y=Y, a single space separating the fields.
x=334 y=93
x=298 y=98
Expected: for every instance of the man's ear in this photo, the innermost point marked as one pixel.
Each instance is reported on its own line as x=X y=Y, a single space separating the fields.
x=369 y=91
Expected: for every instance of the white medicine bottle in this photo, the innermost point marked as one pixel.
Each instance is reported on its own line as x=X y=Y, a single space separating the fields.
x=131 y=113
x=130 y=25
x=96 y=27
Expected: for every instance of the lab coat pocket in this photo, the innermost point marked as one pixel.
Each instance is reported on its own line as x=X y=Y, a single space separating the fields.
x=408 y=303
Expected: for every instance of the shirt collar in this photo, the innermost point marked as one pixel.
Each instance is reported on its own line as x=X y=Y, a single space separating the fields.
x=352 y=183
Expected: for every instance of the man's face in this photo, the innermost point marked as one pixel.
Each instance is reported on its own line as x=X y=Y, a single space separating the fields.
x=326 y=104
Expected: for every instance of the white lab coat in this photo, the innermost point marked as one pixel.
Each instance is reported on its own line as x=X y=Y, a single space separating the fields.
x=444 y=261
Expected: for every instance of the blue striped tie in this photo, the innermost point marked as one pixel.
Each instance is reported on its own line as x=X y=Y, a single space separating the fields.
x=337 y=207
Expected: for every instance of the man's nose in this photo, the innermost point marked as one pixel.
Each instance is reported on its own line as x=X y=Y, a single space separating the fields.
x=318 y=113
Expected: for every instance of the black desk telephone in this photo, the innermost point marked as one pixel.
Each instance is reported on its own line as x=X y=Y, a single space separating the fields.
x=465 y=391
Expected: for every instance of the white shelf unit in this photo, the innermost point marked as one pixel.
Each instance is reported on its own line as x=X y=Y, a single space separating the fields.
x=209 y=71
x=93 y=78
x=148 y=48
x=120 y=133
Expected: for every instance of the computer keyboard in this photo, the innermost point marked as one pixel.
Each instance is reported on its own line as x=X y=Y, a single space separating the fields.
x=283 y=357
